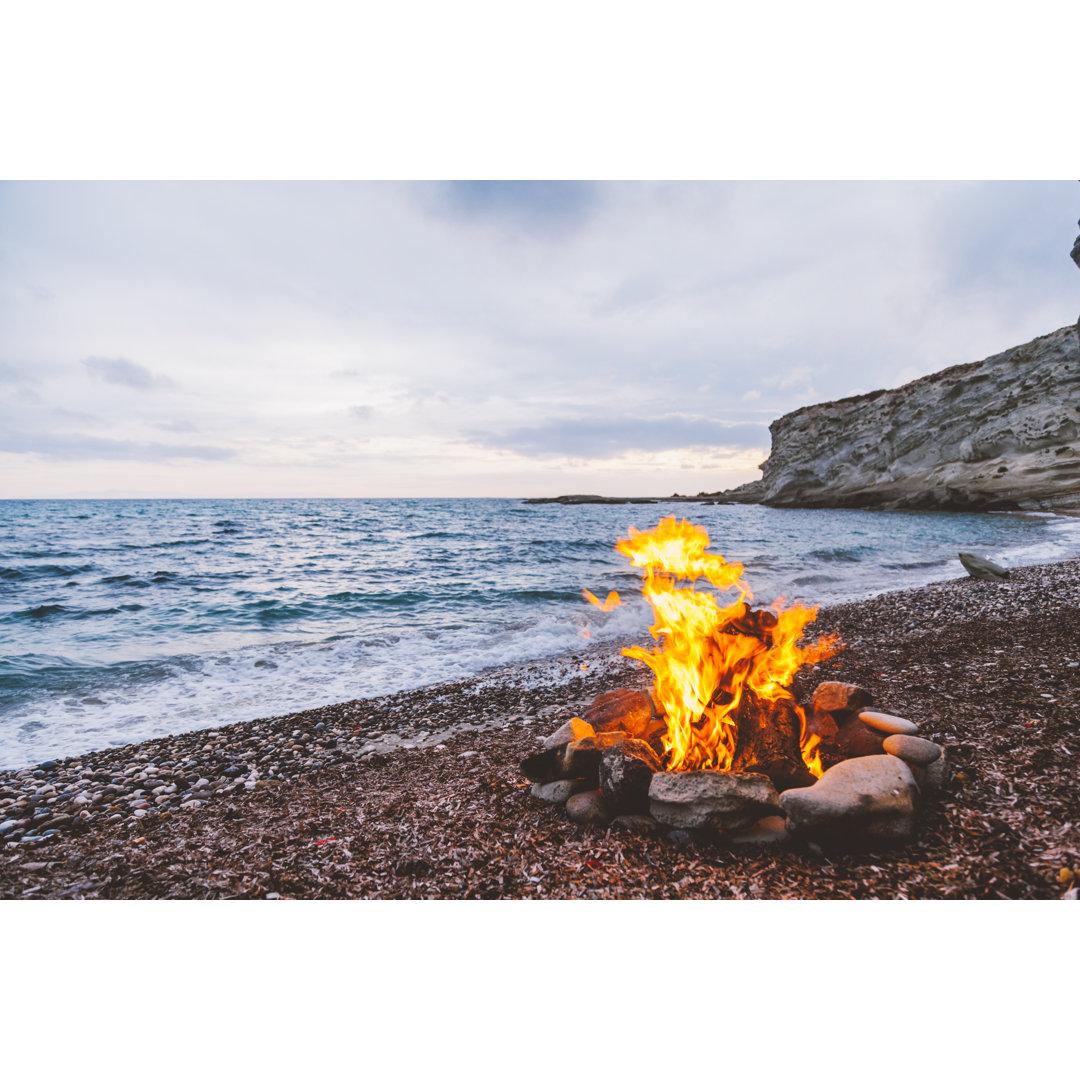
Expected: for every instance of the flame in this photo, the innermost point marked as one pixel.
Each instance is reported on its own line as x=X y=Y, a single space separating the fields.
x=612 y=600
x=710 y=655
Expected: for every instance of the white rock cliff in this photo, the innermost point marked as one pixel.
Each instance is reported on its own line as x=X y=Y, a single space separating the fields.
x=1002 y=433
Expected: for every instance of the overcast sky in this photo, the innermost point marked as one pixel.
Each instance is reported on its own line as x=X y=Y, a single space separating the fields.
x=381 y=339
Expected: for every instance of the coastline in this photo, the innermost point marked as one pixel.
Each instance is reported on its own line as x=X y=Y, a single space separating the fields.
x=417 y=794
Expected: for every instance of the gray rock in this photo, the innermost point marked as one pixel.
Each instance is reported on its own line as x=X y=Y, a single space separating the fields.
x=981 y=568
x=711 y=800
x=933 y=777
x=588 y=808
x=889 y=724
x=861 y=800
x=1000 y=432
x=912 y=749
x=558 y=791
x=626 y=771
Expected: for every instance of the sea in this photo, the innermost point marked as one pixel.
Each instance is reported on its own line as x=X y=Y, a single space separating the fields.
x=123 y=620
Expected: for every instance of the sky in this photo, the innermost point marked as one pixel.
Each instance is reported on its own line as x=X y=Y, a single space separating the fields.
x=509 y=338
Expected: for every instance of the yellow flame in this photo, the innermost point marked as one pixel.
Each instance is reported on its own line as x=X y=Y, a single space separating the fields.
x=709 y=655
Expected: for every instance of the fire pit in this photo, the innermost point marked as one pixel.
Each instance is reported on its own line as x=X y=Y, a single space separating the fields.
x=720 y=745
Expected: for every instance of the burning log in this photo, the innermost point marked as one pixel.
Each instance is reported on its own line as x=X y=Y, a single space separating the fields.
x=768 y=742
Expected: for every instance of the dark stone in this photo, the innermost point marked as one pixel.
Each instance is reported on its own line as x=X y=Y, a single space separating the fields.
x=575 y=760
x=48 y=766
x=821 y=724
x=588 y=808
x=626 y=771
x=855 y=739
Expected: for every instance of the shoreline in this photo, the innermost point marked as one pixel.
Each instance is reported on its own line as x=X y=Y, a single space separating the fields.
x=987 y=668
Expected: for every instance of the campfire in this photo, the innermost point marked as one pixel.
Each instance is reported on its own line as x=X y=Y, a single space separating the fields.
x=720 y=742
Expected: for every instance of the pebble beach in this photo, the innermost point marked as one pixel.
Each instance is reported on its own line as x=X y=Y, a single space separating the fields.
x=418 y=794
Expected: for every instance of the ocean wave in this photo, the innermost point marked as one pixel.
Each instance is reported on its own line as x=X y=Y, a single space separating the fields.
x=854 y=554
x=35 y=573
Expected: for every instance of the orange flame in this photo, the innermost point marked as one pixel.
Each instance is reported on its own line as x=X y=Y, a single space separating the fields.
x=612 y=600
x=710 y=655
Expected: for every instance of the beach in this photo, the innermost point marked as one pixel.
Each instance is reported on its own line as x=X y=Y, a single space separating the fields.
x=418 y=794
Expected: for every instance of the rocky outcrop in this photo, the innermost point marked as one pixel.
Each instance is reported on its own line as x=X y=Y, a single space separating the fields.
x=1003 y=433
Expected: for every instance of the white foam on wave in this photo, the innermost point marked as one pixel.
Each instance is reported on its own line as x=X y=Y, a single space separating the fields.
x=226 y=687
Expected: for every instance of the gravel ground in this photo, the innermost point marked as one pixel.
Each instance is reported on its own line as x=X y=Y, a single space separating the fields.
x=419 y=795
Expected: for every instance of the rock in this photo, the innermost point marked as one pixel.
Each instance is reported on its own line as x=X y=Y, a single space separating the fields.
x=856 y=739
x=862 y=800
x=890 y=725
x=981 y=568
x=933 y=777
x=996 y=433
x=624 y=710
x=558 y=791
x=834 y=697
x=711 y=800
x=626 y=771
x=588 y=808
x=572 y=761
x=769 y=830
x=822 y=724
x=571 y=731
x=912 y=749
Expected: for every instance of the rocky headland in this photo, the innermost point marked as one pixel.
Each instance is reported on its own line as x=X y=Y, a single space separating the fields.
x=999 y=434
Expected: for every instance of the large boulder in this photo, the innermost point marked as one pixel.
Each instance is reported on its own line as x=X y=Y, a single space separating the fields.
x=861 y=800
x=711 y=800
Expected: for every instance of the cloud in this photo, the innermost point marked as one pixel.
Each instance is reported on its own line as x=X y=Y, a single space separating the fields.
x=82 y=447
x=606 y=437
x=126 y=373
x=9 y=372
x=361 y=412
x=540 y=206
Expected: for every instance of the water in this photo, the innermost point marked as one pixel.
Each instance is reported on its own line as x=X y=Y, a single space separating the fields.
x=124 y=620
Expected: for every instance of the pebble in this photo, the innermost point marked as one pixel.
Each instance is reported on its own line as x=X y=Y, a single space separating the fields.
x=558 y=791
x=891 y=725
x=912 y=749
x=588 y=808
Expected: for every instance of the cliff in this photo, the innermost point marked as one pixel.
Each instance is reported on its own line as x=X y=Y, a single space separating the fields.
x=1001 y=433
